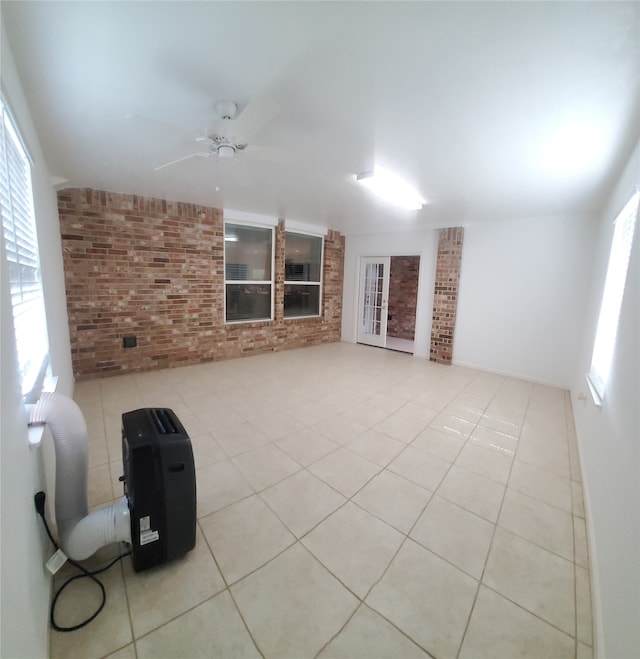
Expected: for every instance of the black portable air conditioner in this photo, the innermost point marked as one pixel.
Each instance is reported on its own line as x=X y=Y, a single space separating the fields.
x=160 y=486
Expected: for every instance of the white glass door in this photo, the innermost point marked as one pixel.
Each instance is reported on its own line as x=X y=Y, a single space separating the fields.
x=373 y=300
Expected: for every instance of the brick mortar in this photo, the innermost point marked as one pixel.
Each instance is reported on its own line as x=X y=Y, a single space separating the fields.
x=403 y=296
x=155 y=269
x=445 y=298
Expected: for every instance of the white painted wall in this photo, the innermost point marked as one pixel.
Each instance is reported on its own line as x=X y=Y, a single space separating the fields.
x=25 y=590
x=522 y=297
x=420 y=243
x=609 y=444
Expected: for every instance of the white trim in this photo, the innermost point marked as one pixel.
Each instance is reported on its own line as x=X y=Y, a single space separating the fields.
x=293 y=226
x=16 y=126
x=270 y=282
x=230 y=215
x=36 y=431
x=377 y=340
x=21 y=248
x=604 y=343
x=319 y=283
x=514 y=376
x=595 y=392
x=421 y=347
x=592 y=549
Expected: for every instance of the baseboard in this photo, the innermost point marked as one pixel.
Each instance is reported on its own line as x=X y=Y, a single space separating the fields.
x=516 y=376
x=594 y=573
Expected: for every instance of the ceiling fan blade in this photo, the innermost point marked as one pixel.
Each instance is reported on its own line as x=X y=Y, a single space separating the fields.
x=200 y=154
x=257 y=113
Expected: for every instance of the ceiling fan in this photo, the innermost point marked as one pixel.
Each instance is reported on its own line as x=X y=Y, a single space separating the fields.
x=231 y=134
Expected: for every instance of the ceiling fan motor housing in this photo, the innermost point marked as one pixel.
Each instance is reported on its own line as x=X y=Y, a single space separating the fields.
x=226 y=109
x=230 y=133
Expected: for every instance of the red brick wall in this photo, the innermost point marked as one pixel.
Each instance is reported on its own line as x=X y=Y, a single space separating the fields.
x=403 y=296
x=153 y=269
x=445 y=297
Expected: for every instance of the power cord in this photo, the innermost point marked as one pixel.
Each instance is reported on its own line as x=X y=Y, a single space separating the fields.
x=39 y=500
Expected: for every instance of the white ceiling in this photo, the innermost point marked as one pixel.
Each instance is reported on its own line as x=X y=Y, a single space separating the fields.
x=492 y=110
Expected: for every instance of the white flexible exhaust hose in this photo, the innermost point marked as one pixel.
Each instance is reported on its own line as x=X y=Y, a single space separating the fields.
x=80 y=534
x=99 y=528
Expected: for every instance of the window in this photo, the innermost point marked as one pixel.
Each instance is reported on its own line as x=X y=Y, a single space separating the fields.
x=21 y=252
x=302 y=275
x=612 y=299
x=248 y=253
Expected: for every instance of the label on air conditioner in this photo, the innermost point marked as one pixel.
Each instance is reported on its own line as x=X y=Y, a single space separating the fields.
x=146 y=534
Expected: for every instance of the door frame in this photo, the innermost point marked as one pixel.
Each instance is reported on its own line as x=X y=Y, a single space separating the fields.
x=423 y=305
x=423 y=245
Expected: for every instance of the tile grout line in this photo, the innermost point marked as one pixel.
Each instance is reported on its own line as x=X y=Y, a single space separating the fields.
x=493 y=534
x=406 y=535
x=349 y=499
x=228 y=590
x=408 y=538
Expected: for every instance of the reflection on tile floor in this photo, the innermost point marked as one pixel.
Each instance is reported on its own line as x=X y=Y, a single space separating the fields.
x=352 y=502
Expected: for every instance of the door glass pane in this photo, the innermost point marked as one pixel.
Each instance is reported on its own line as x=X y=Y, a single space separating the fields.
x=372 y=303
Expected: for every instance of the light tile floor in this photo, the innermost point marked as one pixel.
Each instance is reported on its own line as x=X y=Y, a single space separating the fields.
x=352 y=502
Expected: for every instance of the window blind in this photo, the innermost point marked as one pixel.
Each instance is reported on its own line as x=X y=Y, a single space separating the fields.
x=21 y=253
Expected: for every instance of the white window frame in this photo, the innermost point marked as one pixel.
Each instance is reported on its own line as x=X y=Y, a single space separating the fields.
x=319 y=283
x=270 y=282
x=605 y=341
x=20 y=249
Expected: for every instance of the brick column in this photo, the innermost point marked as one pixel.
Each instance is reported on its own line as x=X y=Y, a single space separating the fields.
x=445 y=296
x=279 y=247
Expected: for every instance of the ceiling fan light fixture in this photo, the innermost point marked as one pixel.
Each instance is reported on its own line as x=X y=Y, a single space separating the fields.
x=226 y=151
x=392 y=188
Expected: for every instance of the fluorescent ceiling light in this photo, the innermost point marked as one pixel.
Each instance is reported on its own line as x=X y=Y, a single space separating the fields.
x=392 y=188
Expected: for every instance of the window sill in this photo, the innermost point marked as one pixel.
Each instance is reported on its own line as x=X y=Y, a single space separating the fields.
x=36 y=431
x=597 y=398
